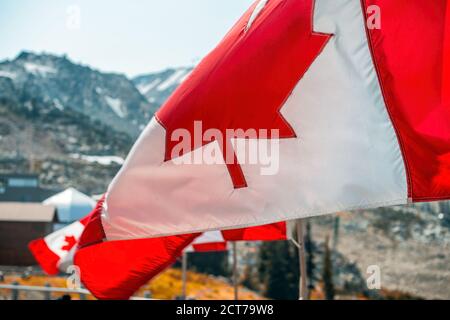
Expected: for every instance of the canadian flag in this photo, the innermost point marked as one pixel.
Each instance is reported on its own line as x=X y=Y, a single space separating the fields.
x=218 y=240
x=208 y=242
x=362 y=118
x=339 y=112
x=54 y=253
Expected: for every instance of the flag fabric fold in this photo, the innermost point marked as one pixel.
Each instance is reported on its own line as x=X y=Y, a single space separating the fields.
x=117 y=269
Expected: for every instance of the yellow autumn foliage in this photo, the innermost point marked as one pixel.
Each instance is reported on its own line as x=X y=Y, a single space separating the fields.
x=167 y=286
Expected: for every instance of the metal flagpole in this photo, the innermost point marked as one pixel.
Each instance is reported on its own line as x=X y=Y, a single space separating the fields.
x=235 y=272
x=303 y=294
x=184 y=274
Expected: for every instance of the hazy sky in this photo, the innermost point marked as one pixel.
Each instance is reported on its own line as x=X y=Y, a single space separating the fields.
x=129 y=36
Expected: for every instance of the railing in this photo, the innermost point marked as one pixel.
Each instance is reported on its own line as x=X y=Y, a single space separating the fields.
x=48 y=290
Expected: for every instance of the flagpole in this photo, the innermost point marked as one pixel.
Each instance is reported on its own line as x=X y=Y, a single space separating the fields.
x=184 y=274
x=235 y=272
x=303 y=288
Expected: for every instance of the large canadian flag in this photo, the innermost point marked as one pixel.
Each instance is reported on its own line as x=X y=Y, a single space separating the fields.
x=362 y=116
x=356 y=114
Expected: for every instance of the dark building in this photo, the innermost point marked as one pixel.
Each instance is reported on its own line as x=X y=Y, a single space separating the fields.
x=22 y=188
x=19 y=224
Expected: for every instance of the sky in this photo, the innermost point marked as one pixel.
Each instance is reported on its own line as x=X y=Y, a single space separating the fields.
x=126 y=36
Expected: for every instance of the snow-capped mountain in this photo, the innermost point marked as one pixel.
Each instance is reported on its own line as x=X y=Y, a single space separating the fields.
x=57 y=82
x=157 y=87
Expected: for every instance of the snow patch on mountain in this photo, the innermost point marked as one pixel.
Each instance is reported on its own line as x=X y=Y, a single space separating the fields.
x=8 y=74
x=102 y=160
x=39 y=69
x=58 y=104
x=173 y=79
x=145 y=88
x=116 y=106
x=157 y=87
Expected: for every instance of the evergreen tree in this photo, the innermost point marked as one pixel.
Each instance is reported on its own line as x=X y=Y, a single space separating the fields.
x=328 y=273
x=215 y=263
x=309 y=248
x=250 y=279
x=278 y=268
x=445 y=210
x=336 y=225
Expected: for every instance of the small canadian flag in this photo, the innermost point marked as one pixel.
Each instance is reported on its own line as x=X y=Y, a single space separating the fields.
x=218 y=240
x=208 y=242
x=54 y=253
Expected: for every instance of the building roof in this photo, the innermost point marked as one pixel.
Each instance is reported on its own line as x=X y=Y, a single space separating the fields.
x=12 y=191
x=26 y=212
x=72 y=205
x=19 y=175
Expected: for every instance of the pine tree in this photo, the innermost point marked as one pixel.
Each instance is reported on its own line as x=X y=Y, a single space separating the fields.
x=328 y=273
x=336 y=225
x=309 y=248
x=250 y=280
x=215 y=263
x=278 y=268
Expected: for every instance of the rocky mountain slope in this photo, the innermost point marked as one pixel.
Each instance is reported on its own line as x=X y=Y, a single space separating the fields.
x=70 y=123
x=410 y=245
x=64 y=147
x=157 y=87
x=57 y=82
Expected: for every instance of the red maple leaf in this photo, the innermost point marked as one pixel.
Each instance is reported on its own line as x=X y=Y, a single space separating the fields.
x=245 y=81
x=69 y=243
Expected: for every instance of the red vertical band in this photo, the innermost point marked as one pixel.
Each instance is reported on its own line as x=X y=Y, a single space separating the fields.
x=411 y=62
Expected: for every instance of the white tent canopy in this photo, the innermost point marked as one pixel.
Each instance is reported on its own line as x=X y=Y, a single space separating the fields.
x=71 y=204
